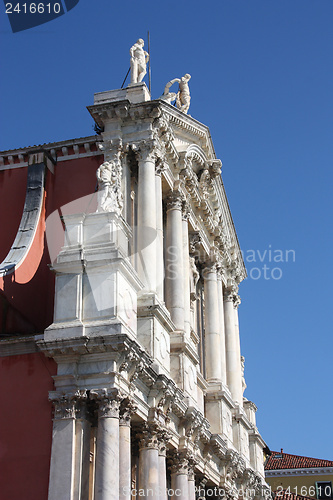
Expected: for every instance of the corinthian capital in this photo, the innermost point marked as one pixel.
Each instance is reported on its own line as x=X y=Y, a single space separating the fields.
x=175 y=200
x=146 y=150
x=149 y=435
x=68 y=405
x=127 y=408
x=108 y=401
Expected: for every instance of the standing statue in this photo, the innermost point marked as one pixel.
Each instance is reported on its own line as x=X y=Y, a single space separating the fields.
x=182 y=97
x=110 y=198
x=139 y=60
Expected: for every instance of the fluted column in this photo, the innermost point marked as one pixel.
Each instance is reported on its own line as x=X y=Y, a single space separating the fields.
x=186 y=271
x=233 y=362
x=221 y=324
x=107 y=453
x=179 y=477
x=69 y=469
x=174 y=260
x=212 y=327
x=147 y=215
x=127 y=408
x=149 y=462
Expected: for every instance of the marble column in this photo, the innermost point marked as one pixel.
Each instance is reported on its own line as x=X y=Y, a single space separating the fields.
x=179 y=477
x=174 y=260
x=107 y=453
x=221 y=324
x=237 y=302
x=212 y=326
x=233 y=362
x=191 y=486
x=69 y=469
x=146 y=215
x=149 y=462
x=186 y=271
x=162 y=480
x=159 y=233
x=127 y=408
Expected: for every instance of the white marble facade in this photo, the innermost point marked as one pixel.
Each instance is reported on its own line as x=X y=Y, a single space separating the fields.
x=149 y=390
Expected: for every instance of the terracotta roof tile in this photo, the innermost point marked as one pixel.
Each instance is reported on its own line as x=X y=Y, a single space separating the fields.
x=281 y=460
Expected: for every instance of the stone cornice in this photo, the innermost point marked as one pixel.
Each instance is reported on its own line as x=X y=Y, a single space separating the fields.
x=308 y=471
x=61 y=151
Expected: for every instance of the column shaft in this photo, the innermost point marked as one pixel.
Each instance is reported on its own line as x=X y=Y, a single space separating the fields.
x=174 y=261
x=149 y=472
x=233 y=362
x=162 y=476
x=147 y=221
x=180 y=486
x=191 y=487
x=124 y=461
x=222 y=331
x=159 y=237
x=69 y=469
x=212 y=327
x=107 y=459
x=186 y=271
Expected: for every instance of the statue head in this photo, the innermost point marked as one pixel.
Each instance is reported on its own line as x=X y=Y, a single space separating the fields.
x=140 y=42
x=187 y=77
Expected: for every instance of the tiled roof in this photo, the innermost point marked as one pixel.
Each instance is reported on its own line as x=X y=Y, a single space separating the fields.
x=285 y=495
x=280 y=460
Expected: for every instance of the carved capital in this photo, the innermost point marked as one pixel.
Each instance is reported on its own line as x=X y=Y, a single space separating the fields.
x=149 y=435
x=146 y=150
x=178 y=463
x=126 y=410
x=69 y=405
x=186 y=210
x=210 y=268
x=108 y=401
x=237 y=301
x=175 y=200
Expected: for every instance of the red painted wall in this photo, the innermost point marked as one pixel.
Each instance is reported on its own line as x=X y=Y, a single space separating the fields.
x=25 y=426
x=30 y=289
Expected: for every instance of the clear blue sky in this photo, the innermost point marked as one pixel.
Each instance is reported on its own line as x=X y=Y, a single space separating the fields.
x=262 y=81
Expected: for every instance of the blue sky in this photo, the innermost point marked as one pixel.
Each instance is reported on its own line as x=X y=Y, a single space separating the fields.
x=262 y=81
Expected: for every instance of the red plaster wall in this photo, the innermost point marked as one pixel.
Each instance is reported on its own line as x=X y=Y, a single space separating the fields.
x=25 y=426
x=30 y=289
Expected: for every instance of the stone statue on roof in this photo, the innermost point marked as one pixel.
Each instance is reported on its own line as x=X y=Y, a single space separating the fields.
x=182 y=97
x=138 y=62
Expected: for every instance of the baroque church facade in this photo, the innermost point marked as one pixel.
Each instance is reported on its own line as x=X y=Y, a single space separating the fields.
x=140 y=356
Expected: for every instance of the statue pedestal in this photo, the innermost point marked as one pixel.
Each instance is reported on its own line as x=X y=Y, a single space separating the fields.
x=96 y=286
x=134 y=93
